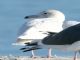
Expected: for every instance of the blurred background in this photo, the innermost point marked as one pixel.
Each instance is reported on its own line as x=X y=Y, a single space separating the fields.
x=12 y=13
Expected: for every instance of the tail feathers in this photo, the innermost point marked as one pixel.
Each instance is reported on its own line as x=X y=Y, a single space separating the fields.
x=26 y=49
x=31 y=44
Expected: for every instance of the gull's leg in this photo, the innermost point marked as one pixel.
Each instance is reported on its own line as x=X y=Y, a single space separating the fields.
x=75 y=56
x=49 y=53
x=33 y=55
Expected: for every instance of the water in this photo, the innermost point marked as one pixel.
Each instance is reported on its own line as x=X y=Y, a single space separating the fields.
x=12 y=13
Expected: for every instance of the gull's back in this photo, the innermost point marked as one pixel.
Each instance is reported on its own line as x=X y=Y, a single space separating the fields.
x=66 y=37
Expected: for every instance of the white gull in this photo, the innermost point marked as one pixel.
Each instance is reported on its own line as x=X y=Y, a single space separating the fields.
x=38 y=26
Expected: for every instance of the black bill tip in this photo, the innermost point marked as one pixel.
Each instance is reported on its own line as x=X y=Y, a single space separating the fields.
x=26 y=17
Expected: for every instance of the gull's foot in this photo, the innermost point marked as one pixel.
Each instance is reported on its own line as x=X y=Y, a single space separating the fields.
x=49 y=56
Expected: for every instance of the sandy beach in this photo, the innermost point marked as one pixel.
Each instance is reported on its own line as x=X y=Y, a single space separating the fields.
x=36 y=58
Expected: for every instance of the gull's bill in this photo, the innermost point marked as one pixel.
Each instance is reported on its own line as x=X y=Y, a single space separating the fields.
x=31 y=16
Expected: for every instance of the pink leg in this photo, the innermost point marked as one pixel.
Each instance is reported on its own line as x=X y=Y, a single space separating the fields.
x=75 y=56
x=49 y=54
x=32 y=54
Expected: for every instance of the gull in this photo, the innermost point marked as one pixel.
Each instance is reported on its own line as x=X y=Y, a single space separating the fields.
x=40 y=25
x=68 y=39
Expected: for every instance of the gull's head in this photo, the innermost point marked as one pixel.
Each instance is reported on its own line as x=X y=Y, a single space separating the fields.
x=54 y=24
x=47 y=14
